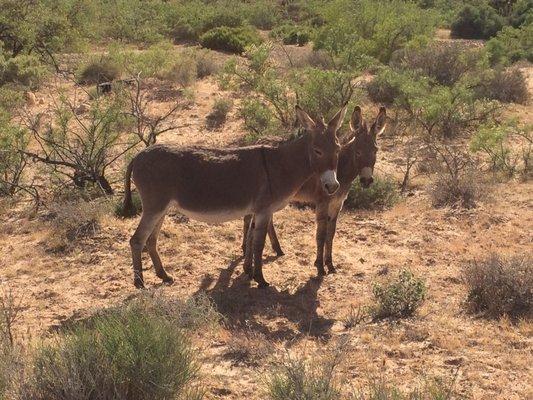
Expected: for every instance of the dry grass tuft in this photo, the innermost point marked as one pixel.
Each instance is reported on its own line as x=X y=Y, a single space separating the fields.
x=248 y=348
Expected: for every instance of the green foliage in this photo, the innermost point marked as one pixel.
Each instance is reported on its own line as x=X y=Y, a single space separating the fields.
x=476 y=22
x=511 y=45
x=355 y=32
x=383 y=193
x=291 y=34
x=102 y=69
x=126 y=353
x=11 y=97
x=218 y=114
x=136 y=206
x=25 y=70
x=398 y=298
x=232 y=40
x=12 y=163
x=295 y=379
x=500 y=286
x=258 y=119
x=522 y=13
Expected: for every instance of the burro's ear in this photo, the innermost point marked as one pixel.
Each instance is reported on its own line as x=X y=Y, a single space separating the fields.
x=379 y=124
x=336 y=122
x=304 y=119
x=356 y=121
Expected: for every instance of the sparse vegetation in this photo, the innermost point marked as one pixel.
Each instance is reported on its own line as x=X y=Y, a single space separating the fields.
x=499 y=286
x=233 y=40
x=383 y=193
x=99 y=70
x=248 y=348
x=218 y=114
x=431 y=389
x=398 y=298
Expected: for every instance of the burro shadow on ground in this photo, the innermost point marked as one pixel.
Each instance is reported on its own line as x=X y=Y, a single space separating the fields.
x=263 y=310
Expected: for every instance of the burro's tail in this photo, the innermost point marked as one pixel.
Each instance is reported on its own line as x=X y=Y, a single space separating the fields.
x=127 y=209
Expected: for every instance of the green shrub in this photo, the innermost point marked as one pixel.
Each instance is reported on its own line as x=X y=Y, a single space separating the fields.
x=26 y=70
x=232 y=40
x=511 y=45
x=206 y=64
x=398 y=298
x=505 y=85
x=522 y=13
x=13 y=139
x=500 y=286
x=183 y=71
x=455 y=190
x=291 y=34
x=476 y=22
x=126 y=353
x=11 y=97
x=98 y=70
x=258 y=119
x=218 y=114
x=263 y=14
x=383 y=193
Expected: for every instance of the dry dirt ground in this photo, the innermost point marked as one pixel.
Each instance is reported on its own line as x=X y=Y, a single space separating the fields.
x=491 y=359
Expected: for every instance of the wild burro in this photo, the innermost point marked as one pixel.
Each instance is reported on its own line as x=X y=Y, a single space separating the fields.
x=356 y=158
x=216 y=185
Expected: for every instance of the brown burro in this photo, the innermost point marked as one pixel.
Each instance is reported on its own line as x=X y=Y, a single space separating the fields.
x=216 y=185
x=357 y=157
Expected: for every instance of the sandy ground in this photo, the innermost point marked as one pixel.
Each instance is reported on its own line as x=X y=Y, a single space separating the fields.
x=492 y=359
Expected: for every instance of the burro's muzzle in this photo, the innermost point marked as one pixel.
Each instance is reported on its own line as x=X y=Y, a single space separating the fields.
x=365 y=177
x=329 y=181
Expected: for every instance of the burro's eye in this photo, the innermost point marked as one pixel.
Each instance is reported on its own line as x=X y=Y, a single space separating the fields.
x=318 y=152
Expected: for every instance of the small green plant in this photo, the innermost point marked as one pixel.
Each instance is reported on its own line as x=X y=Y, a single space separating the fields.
x=499 y=286
x=511 y=45
x=258 y=119
x=25 y=70
x=124 y=353
x=13 y=140
x=383 y=193
x=233 y=40
x=291 y=34
x=219 y=113
x=136 y=206
x=398 y=298
x=476 y=22
x=99 y=70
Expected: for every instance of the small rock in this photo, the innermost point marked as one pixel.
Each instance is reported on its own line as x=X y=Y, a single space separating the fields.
x=31 y=100
x=82 y=109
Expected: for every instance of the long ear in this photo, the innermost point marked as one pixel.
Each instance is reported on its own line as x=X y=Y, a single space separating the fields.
x=380 y=122
x=335 y=123
x=356 y=121
x=305 y=120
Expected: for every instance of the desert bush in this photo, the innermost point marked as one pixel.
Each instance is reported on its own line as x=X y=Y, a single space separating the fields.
x=430 y=389
x=511 y=45
x=383 y=193
x=232 y=40
x=499 y=286
x=262 y=14
x=183 y=71
x=461 y=191
x=13 y=140
x=11 y=97
x=127 y=353
x=296 y=378
x=504 y=85
x=218 y=114
x=206 y=64
x=98 y=70
x=25 y=70
x=476 y=22
x=445 y=63
x=521 y=13
x=291 y=34
x=258 y=119
x=357 y=33
x=248 y=348
x=398 y=298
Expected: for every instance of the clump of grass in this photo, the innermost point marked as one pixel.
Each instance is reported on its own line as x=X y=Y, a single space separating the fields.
x=455 y=190
x=248 y=348
x=98 y=70
x=355 y=317
x=432 y=389
x=398 y=298
x=383 y=193
x=219 y=113
x=500 y=286
x=137 y=351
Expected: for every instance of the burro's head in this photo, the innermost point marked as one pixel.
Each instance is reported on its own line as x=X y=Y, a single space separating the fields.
x=324 y=147
x=366 y=143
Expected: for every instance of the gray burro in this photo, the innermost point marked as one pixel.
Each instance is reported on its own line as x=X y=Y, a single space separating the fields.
x=216 y=185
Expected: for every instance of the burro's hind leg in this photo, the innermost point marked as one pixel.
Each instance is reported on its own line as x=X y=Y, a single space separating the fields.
x=274 y=238
x=261 y=222
x=248 y=247
x=247 y=220
x=148 y=222
x=151 y=245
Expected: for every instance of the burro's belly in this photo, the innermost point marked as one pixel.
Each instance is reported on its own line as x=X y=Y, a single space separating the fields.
x=214 y=216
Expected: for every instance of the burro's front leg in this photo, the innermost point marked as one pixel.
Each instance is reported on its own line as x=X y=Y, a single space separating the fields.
x=321 y=231
x=261 y=222
x=332 y=227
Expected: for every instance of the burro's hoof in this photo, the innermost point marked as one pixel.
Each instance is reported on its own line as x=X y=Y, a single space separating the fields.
x=331 y=269
x=168 y=280
x=263 y=284
x=139 y=284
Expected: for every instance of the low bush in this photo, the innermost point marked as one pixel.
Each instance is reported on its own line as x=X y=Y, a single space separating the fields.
x=218 y=114
x=98 y=70
x=462 y=191
x=13 y=140
x=431 y=389
x=511 y=45
x=183 y=71
x=127 y=353
x=505 y=85
x=232 y=40
x=25 y=70
x=11 y=97
x=383 y=193
x=248 y=348
x=398 y=298
x=206 y=64
x=258 y=119
x=291 y=34
x=499 y=286
x=136 y=206
x=476 y=22
x=263 y=14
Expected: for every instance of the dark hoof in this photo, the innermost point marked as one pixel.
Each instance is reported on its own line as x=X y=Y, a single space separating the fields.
x=320 y=269
x=139 y=284
x=280 y=253
x=263 y=284
x=331 y=269
x=167 y=279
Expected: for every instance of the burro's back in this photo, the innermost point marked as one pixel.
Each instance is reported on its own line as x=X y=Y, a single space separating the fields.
x=218 y=185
